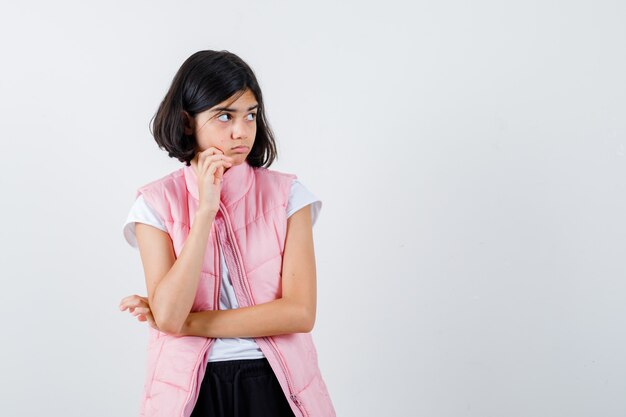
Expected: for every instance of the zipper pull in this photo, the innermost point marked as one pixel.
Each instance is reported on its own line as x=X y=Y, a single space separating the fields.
x=295 y=399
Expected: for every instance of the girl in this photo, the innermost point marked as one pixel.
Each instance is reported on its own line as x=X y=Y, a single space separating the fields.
x=227 y=250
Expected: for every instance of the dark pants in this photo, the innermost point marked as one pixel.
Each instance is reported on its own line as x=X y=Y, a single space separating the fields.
x=241 y=388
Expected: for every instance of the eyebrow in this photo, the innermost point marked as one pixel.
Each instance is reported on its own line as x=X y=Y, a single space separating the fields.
x=233 y=110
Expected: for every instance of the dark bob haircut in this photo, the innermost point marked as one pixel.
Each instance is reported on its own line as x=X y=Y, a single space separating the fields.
x=204 y=80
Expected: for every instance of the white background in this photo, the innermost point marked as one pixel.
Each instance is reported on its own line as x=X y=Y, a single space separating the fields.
x=470 y=157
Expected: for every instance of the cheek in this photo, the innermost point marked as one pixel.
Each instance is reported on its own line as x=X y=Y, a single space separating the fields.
x=213 y=137
x=252 y=134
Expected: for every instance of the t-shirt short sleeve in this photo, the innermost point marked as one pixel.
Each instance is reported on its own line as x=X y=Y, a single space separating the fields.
x=141 y=212
x=299 y=197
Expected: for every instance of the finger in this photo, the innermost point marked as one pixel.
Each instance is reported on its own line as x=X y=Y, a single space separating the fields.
x=140 y=303
x=209 y=173
x=125 y=300
x=211 y=150
x=202 y=156
x=141 y=310
x=135 y=301
x=215 y=156
x=217 y=165
x=219 y=173
x=215 y=159
x=150 y=316
x=129 y=298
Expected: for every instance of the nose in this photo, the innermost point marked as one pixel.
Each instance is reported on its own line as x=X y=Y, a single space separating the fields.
x=240 y=129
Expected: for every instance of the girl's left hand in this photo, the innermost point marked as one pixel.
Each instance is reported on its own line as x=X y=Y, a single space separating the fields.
x=139 y=306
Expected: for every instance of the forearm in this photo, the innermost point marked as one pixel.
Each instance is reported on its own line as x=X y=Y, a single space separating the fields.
x=175 y=293
x=280 y=316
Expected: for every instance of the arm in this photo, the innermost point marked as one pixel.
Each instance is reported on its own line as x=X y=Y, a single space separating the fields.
x=294 y=312
x=171 y=282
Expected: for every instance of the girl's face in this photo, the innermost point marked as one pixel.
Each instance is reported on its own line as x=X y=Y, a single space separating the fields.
x=229 y=126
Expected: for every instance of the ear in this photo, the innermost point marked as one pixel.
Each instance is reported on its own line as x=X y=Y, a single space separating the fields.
x=188 y=122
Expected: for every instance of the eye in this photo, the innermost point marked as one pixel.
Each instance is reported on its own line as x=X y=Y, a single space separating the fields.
x=221 y=115
x=254 y=116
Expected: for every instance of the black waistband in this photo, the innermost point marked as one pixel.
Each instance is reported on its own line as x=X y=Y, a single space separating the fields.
x=243 y=367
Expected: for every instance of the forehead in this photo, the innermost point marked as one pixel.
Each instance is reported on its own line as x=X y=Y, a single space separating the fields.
x=236 y=103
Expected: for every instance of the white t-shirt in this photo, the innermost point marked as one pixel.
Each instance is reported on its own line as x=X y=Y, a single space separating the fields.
x=223 y=348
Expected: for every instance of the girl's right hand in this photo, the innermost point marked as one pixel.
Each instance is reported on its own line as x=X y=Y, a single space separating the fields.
x=210 y=165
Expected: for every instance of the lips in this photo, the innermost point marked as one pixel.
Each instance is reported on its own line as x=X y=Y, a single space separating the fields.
x=240 y=148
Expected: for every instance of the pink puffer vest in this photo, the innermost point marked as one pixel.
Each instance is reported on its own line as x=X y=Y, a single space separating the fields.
x=251 y=227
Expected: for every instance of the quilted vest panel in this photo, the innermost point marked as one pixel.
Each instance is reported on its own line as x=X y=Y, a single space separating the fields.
x=251 y=227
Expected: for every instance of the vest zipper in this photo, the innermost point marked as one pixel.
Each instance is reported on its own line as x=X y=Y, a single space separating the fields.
x=195 y=377
x=216 y=305
x=245 y=290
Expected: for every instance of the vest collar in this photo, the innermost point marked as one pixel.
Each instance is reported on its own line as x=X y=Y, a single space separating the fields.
x=235 y=182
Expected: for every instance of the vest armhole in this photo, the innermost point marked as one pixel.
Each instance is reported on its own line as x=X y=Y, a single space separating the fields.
x=155 y=203
x=291 y=178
